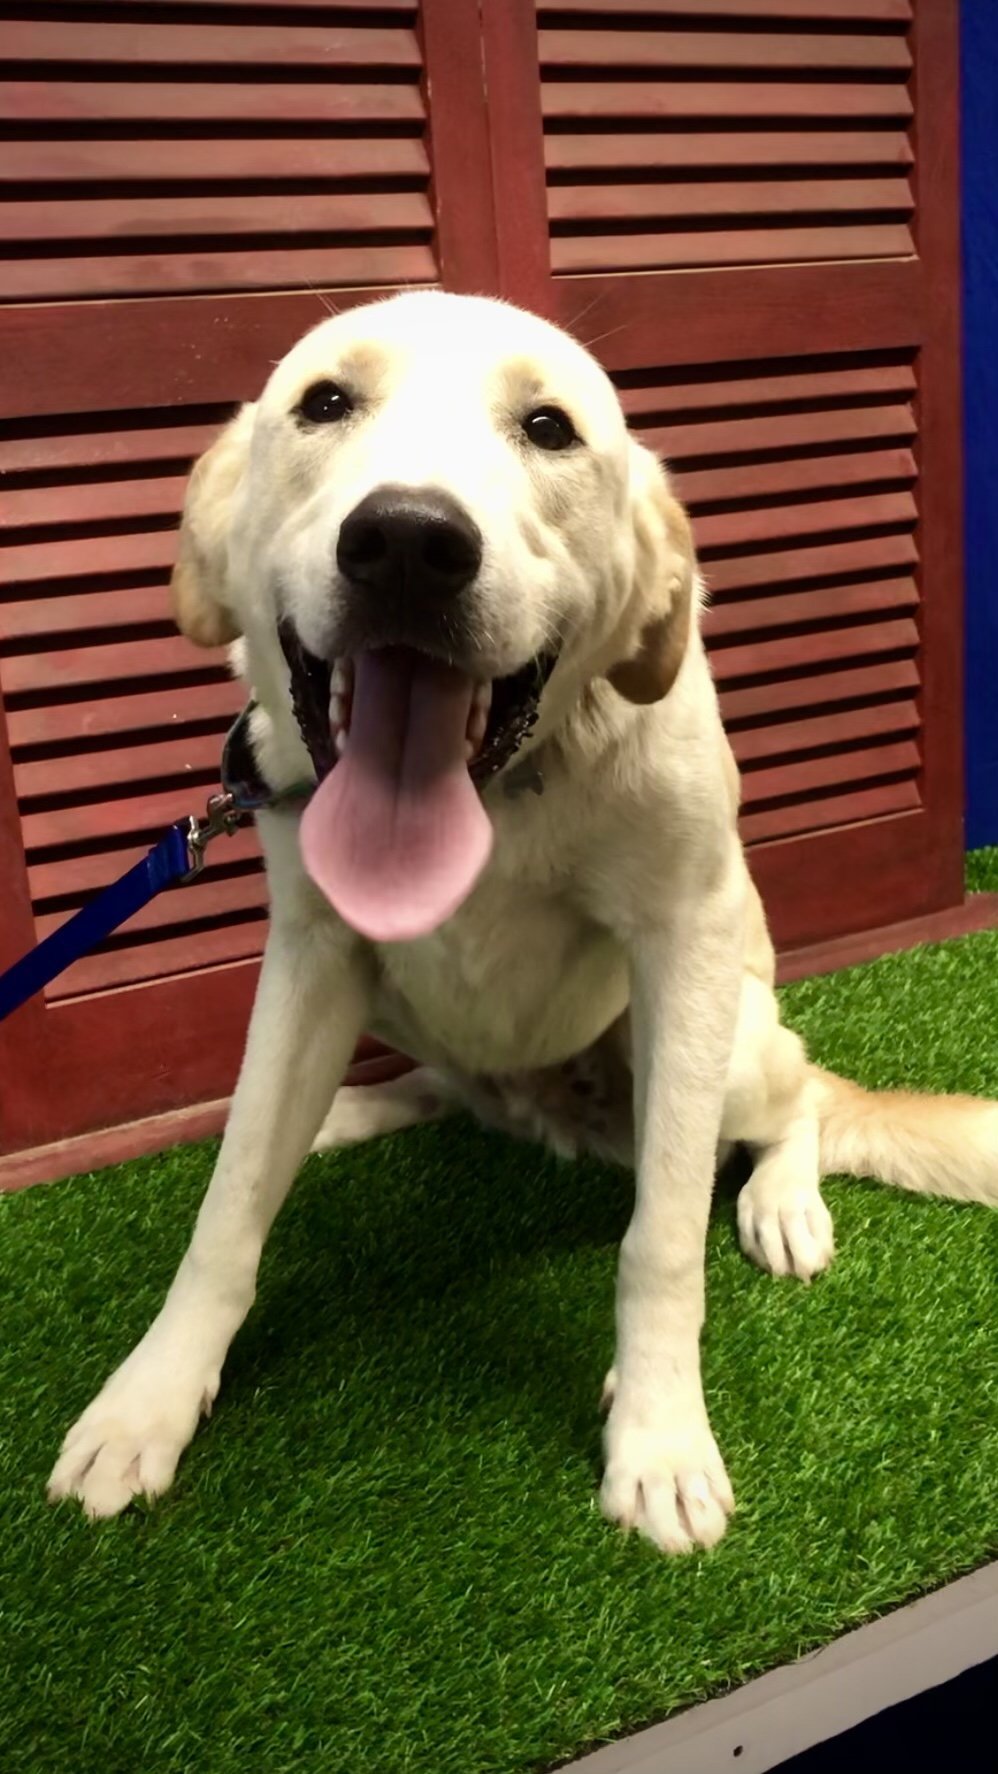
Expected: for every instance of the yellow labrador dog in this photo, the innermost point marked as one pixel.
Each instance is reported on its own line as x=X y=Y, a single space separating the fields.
x=468 y=607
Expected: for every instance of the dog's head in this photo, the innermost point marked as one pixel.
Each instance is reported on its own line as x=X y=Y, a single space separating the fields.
x=436 y=504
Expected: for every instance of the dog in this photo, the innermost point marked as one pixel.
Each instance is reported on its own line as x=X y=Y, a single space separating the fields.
x=466 y=602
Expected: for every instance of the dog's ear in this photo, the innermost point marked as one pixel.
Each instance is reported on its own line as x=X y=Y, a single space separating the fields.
x=662 y=597
x=199 y=585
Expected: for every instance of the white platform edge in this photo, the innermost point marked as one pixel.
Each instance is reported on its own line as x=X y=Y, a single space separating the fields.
x=780 y=1714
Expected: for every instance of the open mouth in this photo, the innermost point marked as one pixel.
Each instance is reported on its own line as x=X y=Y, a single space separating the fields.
x=402 y=743
x=501 y=714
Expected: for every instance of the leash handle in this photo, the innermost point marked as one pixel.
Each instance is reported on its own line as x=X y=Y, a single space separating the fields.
x=178 y=857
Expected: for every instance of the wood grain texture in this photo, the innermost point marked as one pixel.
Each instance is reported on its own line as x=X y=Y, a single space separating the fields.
x=123 y=443
x=96 y=772
x=39 y=563
x=146 y=1063
x=217 y=897
x=137 y=710
x=816 y=688
x=72 y=876
x=808 y=12
x=117 y=816
x=791 y=738
x=725 y=101
x=16 y=926
x=797 y=778
x=334 y=48
x=105 y=612
x=665 y=320
x=647 y=151
x=402 y=10
x=682 y=51
x=784 y=654
x=66 y=357
x=842 y=808
x=789 y=475
x=772 y=432
x=262 y=161
x=170 y=957
x=91 y=502
x=129 y=219
x=724 y=198
x=463 y=196
x=112 y=1145
x=978 y=911
x=937 y=88
x=90 y=102
x=210 y=271
x=785 y=382
x=729 y=246
x=792 y=566
x=23 y=1037
x=837 y=603
x=827 y=517
x=509 y=48
x=50 y=672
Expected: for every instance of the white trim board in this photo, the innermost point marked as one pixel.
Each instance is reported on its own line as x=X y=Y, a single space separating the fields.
x=780 y=1714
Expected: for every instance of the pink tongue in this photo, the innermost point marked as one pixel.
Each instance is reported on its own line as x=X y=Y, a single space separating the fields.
x=396 y=836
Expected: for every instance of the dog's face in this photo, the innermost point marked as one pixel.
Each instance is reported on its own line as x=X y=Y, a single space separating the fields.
x=438 y=485
x=434 y=473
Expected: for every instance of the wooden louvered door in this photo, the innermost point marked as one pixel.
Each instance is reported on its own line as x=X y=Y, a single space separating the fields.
x=750 y=208
x=747 y=207
x=183 y=189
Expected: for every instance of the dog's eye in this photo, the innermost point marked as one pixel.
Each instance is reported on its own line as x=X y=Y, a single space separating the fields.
x=549 y=428
x=324 y=404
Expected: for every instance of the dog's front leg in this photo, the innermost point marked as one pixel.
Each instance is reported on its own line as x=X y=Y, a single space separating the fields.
x=311 y=1004
x=663 y=1472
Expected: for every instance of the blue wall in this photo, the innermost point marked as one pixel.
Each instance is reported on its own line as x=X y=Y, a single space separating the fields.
x=979 y=31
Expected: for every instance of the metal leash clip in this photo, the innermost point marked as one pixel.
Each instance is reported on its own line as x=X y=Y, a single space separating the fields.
x=222 y=815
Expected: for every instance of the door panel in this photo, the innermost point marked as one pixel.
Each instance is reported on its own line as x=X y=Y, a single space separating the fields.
x=747 y=208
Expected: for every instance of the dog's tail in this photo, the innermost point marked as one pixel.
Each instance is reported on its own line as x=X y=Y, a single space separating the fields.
x=934 y=1145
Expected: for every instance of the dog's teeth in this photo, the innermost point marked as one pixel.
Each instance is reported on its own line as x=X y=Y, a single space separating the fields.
x=469 y=751
x=337 y=709
x=478 y=717
x=341 y=678
x=341 y=741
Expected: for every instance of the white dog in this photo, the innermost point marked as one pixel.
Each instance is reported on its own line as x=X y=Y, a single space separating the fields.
x=468 y=603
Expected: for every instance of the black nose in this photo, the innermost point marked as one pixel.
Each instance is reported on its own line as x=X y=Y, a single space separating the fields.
x=413 y=539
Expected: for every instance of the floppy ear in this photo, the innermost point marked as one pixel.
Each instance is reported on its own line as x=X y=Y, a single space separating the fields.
x=663 y=589
x=198 y=586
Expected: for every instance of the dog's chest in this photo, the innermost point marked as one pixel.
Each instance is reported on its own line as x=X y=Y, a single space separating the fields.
x=517 y=979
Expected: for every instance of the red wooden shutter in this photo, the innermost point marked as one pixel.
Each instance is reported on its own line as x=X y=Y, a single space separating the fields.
x=747 y=207
x=751 y=211
x=165 y=158
x=153 y=173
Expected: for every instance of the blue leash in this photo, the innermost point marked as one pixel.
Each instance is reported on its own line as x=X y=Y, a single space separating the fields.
x=178 y=857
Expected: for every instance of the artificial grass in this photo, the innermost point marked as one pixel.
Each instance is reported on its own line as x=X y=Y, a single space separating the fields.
x=383 y=1552
x=981 y=870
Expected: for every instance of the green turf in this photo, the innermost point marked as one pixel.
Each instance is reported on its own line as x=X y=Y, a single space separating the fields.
x=981 y=873
x=383 y=1553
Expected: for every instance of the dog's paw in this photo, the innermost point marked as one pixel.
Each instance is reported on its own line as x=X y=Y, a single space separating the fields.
x=785 y=1227
x=666 y=1479
x=128 y=1441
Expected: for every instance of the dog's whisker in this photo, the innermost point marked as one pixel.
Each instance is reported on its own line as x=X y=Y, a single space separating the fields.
x=322 y=299
x=587 y=310
x=611 y=333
